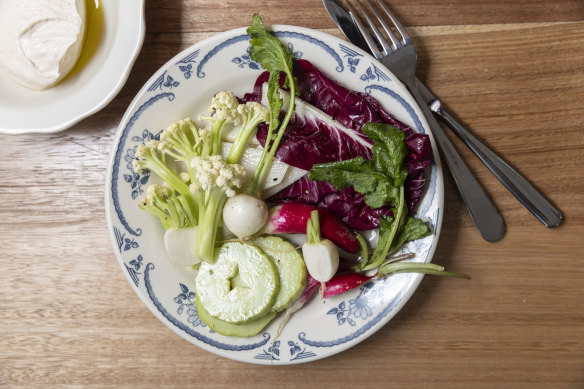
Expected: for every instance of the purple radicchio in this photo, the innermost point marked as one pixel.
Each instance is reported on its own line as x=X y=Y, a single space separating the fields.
x=315 y=138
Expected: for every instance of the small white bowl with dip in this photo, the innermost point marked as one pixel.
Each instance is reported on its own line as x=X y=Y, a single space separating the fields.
x=114 y=35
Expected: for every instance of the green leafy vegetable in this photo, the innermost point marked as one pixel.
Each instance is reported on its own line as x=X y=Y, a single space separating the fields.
x=389 y=150
x=362 y=175
x=269 y=51
x=412 y=230
x=381 y=180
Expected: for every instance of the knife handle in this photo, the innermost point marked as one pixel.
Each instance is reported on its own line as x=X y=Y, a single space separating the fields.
x=482 y=210
x=526 y=193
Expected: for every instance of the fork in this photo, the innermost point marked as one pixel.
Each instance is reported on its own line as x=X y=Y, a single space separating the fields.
x=522 y=189
x=399 y=56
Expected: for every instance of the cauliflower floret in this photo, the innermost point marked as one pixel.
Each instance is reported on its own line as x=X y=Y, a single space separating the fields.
x=255 y=109
x=213 y=171
x=185 y=176
x=204 y=134
x=195 y=196
x=252 y=114
x=224 y=107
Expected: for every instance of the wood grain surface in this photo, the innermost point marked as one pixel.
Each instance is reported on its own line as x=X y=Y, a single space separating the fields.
x=513 y=71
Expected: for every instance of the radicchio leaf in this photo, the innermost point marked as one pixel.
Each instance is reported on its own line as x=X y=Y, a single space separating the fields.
x=309 y=140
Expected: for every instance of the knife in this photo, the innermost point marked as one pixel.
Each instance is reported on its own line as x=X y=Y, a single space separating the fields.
x=527 y=195
x=344 y=22
x=525 y=192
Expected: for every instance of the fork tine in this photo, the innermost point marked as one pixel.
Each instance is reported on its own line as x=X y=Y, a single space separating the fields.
x=380 y=38
x=399 y=27
x=395 y=42
x=364 y=32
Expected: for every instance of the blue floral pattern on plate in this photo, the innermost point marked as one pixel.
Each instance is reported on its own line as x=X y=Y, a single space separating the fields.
x=360 y=307
x=183 y=87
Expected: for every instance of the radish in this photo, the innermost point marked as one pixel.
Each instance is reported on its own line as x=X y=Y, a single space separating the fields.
x=320 y=255
x=343 y=283
x=291 y=218
x=311 y=285
x=244 y=215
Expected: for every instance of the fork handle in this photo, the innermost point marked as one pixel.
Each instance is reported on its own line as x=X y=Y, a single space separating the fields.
x=526 y=193
x=482 y=210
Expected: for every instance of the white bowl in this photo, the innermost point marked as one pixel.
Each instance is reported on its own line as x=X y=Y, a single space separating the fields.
x=102 y=70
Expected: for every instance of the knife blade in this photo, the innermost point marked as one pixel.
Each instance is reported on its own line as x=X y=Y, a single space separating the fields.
x=527 y=195
x=344 y=21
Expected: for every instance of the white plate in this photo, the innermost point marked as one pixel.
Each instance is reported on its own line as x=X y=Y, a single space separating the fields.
x=184 y=87
x=99 y=75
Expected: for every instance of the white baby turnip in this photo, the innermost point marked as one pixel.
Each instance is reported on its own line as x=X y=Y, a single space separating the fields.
x=320 y=255
x=322 y=259
x=180 y=245
x=244 y=215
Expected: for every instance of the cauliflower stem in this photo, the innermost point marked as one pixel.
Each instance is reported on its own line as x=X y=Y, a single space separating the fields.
x=197 y=180
x=196 y=194
x=252 y=114
x=172 y=210
x=214 y=181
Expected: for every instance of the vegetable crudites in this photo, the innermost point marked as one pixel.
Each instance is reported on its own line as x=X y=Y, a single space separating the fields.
x=243 y=283
x=200 y=188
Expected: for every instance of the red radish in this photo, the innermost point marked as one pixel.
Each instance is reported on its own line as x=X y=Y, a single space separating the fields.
x=343 y=283
x=291 y=218
x=311 y=285
x=337 y=285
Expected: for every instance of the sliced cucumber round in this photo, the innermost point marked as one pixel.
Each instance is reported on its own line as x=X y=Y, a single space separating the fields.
x=248 y=328
x=291 y=268
x=241 y=285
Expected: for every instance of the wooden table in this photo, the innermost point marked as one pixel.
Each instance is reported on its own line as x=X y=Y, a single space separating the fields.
x=513 y=71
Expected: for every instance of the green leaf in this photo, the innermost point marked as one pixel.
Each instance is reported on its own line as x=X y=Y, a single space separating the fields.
x=383 y=194
x=360 y=174
x=412 y=230
x=276 y=103
x=415 y=229
x=389 y=150
x=355 y=172
x=266 y=49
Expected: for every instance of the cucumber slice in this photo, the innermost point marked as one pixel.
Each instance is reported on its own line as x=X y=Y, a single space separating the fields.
x=241 y=285
x=291 y=268
x=248 y=328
